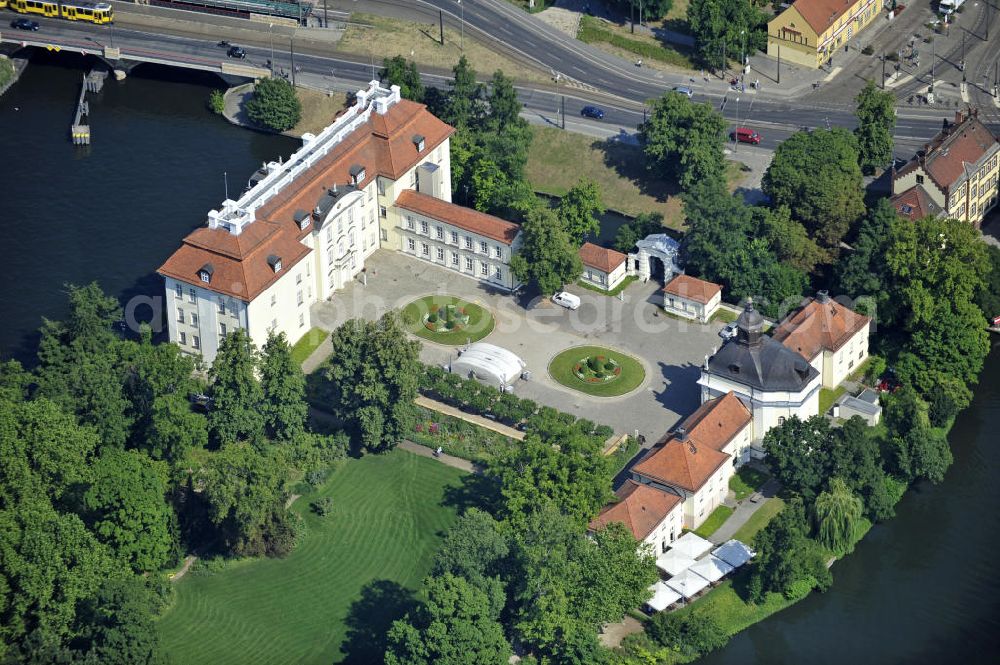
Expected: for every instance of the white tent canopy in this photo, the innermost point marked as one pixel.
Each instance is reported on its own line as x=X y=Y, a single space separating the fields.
x=489 y=363
x=673 y=562
x=711 y=568
x=687 y=584
x=692 y=545
x=733 y=552
x=663 y=597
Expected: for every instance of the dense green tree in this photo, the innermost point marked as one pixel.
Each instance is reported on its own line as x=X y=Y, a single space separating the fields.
x=789 y=239
x=816 y=175
x=547 y=258
x=14 y=381
x=245 y=490
x=798 y=452
x=856 y=456
x=453 y=627
x=862 y=272
x=398 y=71
x=174 y=430
x=126 y=509
x=236 y=413
x=988 y=295
x=475 y=548
x=284 y=387
x=876 y=112
x=616 y=575
x=948 y=396
x=374 y=381
x=580 y=210
x=116 y=625
x=953 y=343
x=503 y=103
x=575 y=477
x=48 y=562
x=918 y=450
x=636 y=229
x=650 y=10
x=464 y=106
x=684 y=140
x=722 y=28
x=693 y=634
x=274 y=104
x=786 y=557
x=838 y=514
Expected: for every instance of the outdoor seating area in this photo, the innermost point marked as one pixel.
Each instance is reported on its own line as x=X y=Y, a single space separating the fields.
x=692 y=567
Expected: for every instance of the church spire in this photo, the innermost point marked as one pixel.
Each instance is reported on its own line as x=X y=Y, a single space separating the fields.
x=749 y=325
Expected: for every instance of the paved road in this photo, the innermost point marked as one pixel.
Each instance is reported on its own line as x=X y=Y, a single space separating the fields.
x=622 y=87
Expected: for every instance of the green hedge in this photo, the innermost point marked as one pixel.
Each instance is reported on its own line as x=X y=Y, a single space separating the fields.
x=592 y=32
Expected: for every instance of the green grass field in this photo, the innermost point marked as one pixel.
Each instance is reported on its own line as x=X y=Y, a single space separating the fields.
x=827 y=397
x=309 y=343
x=746 y=481
x=561 y=369
x=479 y=326
x=349 y=575
x=714 y=521
x=759 y=520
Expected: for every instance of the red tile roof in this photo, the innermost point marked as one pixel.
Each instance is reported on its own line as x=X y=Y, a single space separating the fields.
x=692 y=288
x=383 y=146
x=821 y=14
x=944 y=159
x=717 y=421
x=819 y=325
x=605 y=260
x=640 y=508
x=914 y=204
x=456 y=215
x=682 y=464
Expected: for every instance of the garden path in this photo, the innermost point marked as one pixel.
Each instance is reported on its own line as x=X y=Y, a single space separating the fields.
x=450 y=460
x=441 y=407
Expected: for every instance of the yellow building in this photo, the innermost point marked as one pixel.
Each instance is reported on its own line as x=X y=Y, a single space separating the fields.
x=810 y=31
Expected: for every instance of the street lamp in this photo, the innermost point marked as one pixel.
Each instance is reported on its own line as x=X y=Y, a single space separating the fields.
x=743 y=52
x=462 y=39
x=270 y=34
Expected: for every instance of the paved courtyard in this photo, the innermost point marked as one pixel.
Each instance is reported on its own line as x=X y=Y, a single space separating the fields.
x=671 y=350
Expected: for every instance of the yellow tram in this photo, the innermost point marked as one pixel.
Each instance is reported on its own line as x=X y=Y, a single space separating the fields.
x=73 y=10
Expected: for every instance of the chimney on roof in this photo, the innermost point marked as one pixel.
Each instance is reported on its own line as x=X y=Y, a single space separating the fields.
x=823 y=296
x=681 y=434
x=959 y=117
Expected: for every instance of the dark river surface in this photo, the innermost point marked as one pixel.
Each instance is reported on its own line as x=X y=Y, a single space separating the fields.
x=923 y=588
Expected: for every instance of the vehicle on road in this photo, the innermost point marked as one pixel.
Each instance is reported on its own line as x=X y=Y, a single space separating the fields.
x=567 y=300
x=744 y=135
x=684 y=90
x=236 y=52
x=24 y=24
x=728 y=332
x=592 y=112
x=949 y=7
x=71 y=10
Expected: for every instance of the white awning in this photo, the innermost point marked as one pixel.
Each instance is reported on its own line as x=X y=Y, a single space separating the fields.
x=711 y=568
x=733 y=552
x=687 y=584
x=489 y=363
x=692 y=545
x=673 y=562
x=663 y=597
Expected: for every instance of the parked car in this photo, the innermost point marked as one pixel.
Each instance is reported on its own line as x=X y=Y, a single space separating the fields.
x=728 y=332
x=592 y=112
x=236 y=52
x=201 y=402
x=684 y=90
x=745 y=135
x=567 y=300
x=24 y=24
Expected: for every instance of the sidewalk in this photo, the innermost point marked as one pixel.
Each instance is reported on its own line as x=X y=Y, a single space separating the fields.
x=743 y=512
x=424 y=451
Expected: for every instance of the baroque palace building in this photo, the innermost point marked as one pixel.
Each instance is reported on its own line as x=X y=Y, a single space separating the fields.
x=378 y=177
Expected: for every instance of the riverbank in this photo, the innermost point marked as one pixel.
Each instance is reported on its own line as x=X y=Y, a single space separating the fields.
x=10 y=71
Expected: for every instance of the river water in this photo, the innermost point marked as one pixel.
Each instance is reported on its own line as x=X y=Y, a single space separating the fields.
x=923 y=588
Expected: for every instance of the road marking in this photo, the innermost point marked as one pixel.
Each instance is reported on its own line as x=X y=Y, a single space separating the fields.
x=833 y=72
x=900 y=81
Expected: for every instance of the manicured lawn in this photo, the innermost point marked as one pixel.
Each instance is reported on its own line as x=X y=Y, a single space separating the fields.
x=724 y=316
x=613 y=292
x=620 y=39
x=827 y=397
x=759 y=520
x=746 y=481
x=480 y=322
x=714 y=521
x=733 y=615
x=632 y=374
x=309 y=343
x=376 y=546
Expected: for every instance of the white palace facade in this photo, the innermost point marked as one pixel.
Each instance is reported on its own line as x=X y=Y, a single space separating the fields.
x=378 y=177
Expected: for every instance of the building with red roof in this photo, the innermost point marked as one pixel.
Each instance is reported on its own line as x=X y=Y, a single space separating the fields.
x=692 y=298
x=602 y=267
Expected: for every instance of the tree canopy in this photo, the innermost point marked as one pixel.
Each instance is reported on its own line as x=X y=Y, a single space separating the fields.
x=284 y=390
x=684 y=141
x=397 y=70
x=548 y=258
x=236 y=413
x=580 y=209
x=274 y=104
x=876 y=112
x=722 y=28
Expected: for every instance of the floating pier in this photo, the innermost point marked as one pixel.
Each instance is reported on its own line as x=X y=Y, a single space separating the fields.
x=80 y=130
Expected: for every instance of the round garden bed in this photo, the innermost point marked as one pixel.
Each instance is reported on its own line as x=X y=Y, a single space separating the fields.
x=596 y=370
x=448 y=320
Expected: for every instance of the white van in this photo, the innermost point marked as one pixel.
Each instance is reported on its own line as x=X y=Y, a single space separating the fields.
x=567 y=300
x=948 y=7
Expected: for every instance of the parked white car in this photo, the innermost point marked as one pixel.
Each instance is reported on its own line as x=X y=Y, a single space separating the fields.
x=567 y=300
x=729 y=332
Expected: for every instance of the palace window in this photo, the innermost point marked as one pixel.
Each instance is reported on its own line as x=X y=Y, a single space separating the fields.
x=180 y=291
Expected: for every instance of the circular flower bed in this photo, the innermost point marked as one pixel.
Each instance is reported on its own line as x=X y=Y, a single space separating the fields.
x=447 y=318
x=597 y=369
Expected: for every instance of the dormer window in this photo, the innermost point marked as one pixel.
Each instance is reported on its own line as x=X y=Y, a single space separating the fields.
x=418 y=142
x=357 y=174
x=301 y=218
x=274 y=262
x=205 y=273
